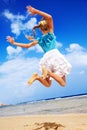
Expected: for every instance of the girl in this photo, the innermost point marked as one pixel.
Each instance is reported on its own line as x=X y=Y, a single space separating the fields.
x=53 y=64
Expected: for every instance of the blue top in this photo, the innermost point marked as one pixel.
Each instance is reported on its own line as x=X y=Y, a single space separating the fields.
x=47 y=42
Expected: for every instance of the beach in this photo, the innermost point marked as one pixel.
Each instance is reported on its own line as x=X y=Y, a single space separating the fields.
x=45 y=122
x=56 y=114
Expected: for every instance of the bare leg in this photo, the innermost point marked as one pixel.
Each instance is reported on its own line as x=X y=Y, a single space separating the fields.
x=64 y=78
x=44 y=72
x=46 y=82
x=61 y=81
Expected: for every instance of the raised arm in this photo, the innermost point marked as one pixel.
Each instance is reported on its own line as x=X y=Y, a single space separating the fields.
x=47 y=16
x=11 y=40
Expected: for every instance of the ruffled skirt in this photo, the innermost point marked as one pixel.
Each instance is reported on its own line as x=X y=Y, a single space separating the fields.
x=55 y=62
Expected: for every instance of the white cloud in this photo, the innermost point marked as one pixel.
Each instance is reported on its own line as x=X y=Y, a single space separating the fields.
x=15 y=28
x=14 y=52
x=14 y=75
x=19 y=23
x=77 y=55
x=8 y=15
x=30 y=24
x=17 y=64
x=39 y=49
x=58 y=44
x=74 y=47
x=13 y=17
x=82 y=72
x=36 y=48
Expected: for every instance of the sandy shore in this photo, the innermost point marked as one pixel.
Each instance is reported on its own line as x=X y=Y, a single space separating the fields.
x=45 y=122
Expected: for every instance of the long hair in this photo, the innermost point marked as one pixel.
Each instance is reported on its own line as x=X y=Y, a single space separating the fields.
x=33 y=30
x=43 y=25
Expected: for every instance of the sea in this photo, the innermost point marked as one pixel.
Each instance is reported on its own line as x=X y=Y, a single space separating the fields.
x=62 y=105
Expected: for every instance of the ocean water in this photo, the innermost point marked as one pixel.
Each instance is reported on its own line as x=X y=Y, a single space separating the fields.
x=75 y=104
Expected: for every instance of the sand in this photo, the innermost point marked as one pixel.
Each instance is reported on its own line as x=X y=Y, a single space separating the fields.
x=45 y=122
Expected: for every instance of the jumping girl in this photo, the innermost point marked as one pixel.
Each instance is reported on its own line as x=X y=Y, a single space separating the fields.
x=53 y=64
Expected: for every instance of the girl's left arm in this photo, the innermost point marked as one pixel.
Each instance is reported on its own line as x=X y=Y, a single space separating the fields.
x=23 y=45
x=47 y=16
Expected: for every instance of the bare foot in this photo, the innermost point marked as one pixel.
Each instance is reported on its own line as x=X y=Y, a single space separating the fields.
x=33 y=78
x=44 y=72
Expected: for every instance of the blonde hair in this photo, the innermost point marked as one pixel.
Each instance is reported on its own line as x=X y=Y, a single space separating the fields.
x=43 y=25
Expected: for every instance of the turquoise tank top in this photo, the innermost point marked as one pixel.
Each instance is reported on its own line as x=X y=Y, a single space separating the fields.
x=47 y=42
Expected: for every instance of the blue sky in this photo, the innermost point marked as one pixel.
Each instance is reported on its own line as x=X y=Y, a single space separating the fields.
x=18 y=64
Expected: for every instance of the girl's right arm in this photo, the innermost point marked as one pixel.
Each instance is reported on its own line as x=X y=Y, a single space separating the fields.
x=11 y=40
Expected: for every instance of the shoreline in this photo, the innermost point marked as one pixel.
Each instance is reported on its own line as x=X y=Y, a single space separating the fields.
x=47 y=107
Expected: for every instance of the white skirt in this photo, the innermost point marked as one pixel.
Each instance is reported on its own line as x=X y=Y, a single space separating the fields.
x=55 y=62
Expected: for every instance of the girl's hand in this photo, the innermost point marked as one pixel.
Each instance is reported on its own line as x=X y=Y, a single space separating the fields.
x=29 y=37
x=32 y=10
x=10 y=39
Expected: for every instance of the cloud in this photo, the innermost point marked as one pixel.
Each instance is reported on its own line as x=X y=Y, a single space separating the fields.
x=19 y=23
x=77 y=55
x=59 y=44
x=75 y=48
x=13 y=17
x=36 y=48
x=82 y=72
x=14 y=75
x=12 y=50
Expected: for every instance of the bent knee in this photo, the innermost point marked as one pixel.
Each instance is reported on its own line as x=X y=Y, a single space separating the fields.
x=48 y=85
x=63 y=84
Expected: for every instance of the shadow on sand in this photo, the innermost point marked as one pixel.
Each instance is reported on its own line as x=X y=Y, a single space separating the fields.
x=47 y=126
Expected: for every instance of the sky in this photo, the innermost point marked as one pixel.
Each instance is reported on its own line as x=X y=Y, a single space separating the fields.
x=18 y=64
